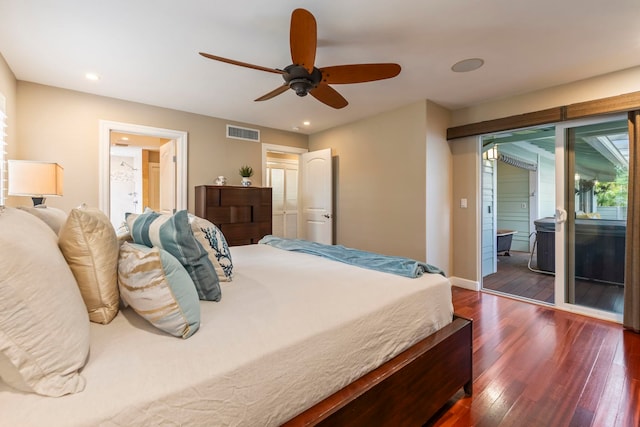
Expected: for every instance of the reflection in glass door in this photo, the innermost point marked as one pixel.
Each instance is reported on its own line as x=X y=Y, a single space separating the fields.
x=595 y=196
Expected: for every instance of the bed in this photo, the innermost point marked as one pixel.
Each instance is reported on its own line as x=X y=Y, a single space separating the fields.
x=296 y=339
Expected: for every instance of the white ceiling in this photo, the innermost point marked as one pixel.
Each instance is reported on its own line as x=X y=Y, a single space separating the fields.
x=147 y=50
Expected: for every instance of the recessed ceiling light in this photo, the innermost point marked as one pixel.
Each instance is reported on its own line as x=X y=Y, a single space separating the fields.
x=92 y=76
x=467 y=65
x=306 y=123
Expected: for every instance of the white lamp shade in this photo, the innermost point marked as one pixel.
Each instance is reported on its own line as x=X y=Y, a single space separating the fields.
x=28 y=178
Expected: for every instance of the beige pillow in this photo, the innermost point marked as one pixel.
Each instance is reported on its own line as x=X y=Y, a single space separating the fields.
x=44 y=327
x=54 y=218
x=90 y=246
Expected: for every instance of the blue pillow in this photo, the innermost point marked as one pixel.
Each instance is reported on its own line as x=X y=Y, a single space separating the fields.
x=173 y=233
x=159 y=289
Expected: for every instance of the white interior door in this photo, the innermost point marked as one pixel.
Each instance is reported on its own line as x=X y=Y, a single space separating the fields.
x=154 y=186
x=317 y=196
x=291 y=203
x=283 y=180
x=168 y=177
x=276 y=180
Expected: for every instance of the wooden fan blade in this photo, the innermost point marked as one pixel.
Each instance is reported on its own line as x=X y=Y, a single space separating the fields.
x=303 y=39
x=328 y=95
x=358 y=73
x=242 y=64
x=273 y=93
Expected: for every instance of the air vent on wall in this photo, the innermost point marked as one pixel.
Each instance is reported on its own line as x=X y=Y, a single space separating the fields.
x=245 y=134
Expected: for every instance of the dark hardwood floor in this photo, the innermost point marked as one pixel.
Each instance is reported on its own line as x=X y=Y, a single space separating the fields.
x=514 y=278
x=538 y=366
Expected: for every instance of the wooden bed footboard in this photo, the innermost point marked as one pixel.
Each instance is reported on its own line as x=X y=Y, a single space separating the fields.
x=408 y=389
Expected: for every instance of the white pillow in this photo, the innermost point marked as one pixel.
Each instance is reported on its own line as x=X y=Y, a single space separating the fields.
x=44 y=326
x=54 y=218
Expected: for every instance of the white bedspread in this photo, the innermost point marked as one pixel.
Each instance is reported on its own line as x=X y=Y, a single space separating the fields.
x=290 y=330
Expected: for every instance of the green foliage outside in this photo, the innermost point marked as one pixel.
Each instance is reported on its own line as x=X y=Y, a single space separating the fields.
x=613 y=193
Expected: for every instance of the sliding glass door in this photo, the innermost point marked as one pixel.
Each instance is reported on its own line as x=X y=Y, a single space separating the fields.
x=592 y=164
x=554 y=202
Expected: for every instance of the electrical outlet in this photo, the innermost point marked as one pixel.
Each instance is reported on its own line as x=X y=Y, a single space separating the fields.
x=523 y=205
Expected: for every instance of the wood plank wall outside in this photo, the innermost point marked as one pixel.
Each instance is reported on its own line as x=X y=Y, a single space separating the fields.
x=613 y=104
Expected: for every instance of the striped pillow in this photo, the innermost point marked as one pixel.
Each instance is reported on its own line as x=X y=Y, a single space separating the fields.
x=159 y=289
x=173 y=233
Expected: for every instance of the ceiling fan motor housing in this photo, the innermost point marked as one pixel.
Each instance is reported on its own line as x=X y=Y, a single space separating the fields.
x=300 y=80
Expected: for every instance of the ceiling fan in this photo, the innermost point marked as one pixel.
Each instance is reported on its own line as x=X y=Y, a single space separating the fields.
x=304 y=77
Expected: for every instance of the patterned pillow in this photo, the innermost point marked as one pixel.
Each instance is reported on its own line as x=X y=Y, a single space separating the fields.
x=90 y=246
x=214 y=242
x=173 y=233
x=159 y=289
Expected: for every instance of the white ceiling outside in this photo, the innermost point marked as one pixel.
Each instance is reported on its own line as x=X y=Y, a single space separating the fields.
x=147 y=50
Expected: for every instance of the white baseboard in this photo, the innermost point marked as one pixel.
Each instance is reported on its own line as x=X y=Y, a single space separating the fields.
x=465 y=283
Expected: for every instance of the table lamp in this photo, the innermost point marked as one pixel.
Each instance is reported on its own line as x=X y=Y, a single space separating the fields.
x=35 y=179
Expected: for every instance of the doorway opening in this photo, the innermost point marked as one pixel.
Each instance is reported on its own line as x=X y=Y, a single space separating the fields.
x=140 y=175
x=123 y=148
x=280 y=165
x=518 y=187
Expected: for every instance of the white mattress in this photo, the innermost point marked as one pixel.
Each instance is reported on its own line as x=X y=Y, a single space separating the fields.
x=290 y=330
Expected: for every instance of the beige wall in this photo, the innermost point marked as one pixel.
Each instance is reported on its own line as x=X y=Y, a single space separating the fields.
x=380 y=181
x=438 y=188
x=8 y=89
x=466 y=160
x=465 y=235
x=61 y=125
x=617 y=83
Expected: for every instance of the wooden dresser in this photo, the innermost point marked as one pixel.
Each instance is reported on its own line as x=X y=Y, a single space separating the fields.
x=242 y=213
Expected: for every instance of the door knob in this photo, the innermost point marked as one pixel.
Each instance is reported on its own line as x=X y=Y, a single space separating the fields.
x=560 y=216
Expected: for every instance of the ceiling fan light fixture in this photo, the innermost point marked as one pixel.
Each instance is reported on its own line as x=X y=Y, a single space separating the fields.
x=467 y=65
x=301 y=86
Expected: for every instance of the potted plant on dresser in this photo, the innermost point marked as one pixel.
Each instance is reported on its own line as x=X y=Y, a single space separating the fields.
x=246 y=172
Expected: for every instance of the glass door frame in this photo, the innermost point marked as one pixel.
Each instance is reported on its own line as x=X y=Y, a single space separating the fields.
x=562 y=239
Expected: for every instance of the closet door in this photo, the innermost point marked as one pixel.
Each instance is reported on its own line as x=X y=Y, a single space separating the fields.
x=282 y=177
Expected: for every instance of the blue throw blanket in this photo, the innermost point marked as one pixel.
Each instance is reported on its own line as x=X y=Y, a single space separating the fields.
x=385 y=263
